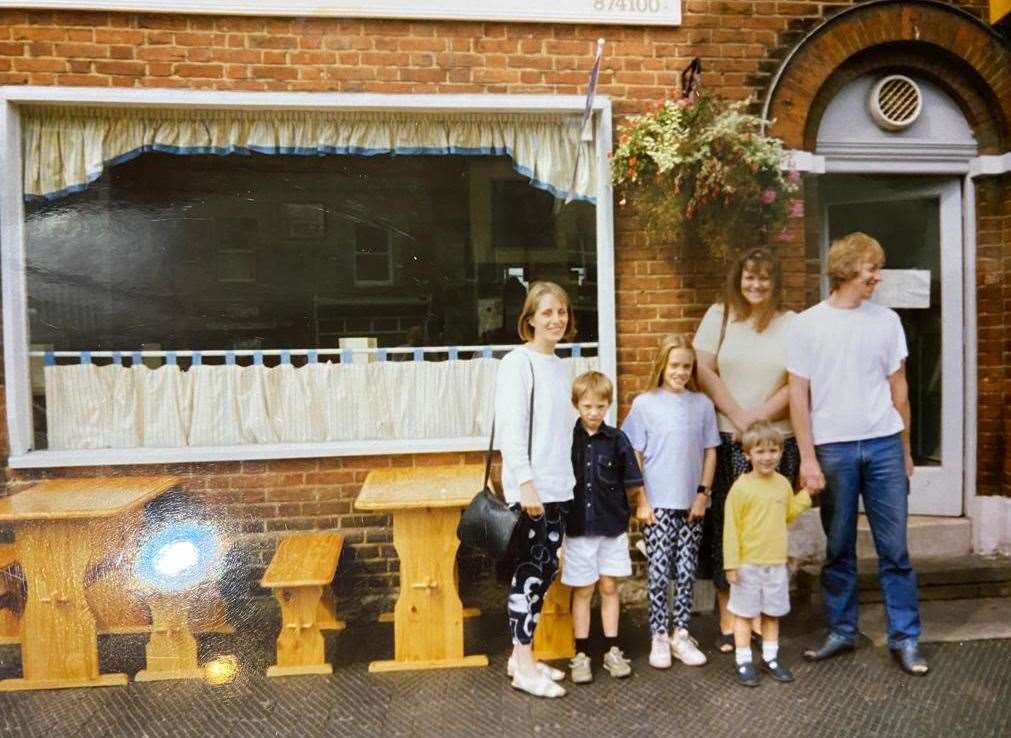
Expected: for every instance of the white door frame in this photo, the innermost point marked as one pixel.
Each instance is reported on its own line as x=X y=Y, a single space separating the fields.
x=932 y=486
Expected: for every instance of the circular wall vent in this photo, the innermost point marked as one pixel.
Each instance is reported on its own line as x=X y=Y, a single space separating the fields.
x=895 y=102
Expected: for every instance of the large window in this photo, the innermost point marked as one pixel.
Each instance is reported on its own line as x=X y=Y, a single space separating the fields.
x=239 y=252
x=259 y=302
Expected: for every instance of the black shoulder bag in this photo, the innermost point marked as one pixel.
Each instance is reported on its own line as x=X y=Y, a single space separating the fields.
x=488 y=523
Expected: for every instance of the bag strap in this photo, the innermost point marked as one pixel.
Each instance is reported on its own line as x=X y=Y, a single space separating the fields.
x=530 y=432
x=723 y=328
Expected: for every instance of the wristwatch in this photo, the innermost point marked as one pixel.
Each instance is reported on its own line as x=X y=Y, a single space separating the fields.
x=704 y=490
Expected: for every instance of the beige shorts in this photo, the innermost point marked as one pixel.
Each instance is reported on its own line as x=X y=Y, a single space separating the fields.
x=760 y=590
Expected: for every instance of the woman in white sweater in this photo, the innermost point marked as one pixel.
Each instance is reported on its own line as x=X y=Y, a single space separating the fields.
x=536 y=469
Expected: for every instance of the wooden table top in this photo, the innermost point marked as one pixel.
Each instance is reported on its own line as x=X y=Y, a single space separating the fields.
x=74 y=499
x=405 y=488
x=304 y=559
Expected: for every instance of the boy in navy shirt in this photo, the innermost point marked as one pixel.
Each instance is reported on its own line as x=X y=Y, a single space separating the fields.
x=608 y=482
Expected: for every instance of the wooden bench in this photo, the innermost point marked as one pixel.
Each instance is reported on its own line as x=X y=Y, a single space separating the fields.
x=300 y=574
x=12 y=599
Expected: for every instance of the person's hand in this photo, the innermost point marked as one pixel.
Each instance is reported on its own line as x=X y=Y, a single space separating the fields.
x=732 y=576
x=530 y=501
x=810 y=492
x=644 y=514
x=742 y=421
x=698 y=508
x=908 y=459
x=811 y=476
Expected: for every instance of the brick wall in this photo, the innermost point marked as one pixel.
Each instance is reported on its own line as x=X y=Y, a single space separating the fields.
x=659 y=287
x=993 y=296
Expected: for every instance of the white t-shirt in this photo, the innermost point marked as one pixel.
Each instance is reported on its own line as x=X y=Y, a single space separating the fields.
x=848 y=356
x=751 y=364
x=550 y=461
x=672 y=430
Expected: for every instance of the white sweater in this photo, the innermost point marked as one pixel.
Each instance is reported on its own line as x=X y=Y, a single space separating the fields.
x=550 y=462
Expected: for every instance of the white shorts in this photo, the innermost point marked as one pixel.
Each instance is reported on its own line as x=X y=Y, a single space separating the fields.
x=760 y=590
x=587 y=558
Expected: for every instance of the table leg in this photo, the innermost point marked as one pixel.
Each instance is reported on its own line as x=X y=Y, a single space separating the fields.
x=59 y=646
x=172 y=649
x=428 y=617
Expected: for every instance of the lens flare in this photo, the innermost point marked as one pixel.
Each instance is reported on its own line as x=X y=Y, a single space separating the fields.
x=180 y=556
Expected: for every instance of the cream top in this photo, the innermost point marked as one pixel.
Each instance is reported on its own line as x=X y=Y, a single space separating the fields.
x=751 y=364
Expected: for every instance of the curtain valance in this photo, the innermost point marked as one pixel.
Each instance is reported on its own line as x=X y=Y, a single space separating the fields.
x=67 y=148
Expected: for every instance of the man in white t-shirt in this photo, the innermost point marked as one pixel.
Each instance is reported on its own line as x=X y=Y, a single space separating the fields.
x=849 y=403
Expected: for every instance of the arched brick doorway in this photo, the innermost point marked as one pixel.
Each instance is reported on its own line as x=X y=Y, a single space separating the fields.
x=970 y=64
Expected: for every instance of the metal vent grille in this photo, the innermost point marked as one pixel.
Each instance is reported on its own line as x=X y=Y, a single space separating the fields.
x=895 y=102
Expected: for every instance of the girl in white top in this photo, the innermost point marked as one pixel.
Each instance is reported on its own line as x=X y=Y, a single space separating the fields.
x=741 y=345
x=536 y=469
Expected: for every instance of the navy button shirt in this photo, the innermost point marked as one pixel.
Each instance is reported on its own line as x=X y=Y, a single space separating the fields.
x=605 y=466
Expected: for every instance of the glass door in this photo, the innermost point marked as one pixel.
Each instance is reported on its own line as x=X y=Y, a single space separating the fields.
x=919 y=224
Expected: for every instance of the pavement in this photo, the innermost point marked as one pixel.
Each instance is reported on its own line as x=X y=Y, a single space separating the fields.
x=967 y=693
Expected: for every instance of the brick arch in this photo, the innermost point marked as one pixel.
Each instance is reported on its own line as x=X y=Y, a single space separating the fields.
x=952 y=74
x=970 y=60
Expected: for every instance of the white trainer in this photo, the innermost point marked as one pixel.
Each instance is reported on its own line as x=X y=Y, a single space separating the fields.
x=686 y=649
x=659 y=654
x=537 y=685
x=555 y=675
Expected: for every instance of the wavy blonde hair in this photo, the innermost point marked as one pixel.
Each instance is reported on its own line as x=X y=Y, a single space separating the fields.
x=668 y=344
x=847 y=254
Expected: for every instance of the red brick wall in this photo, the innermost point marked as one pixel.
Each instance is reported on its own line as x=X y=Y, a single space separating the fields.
x=659 y=288
x=993 y=296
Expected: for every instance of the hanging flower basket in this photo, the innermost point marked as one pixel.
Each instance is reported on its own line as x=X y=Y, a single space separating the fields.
x=701 y=170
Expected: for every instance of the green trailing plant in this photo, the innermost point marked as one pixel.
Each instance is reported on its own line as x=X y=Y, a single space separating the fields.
x=701 y=170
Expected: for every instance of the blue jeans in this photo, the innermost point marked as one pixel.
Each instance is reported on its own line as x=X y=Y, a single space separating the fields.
x=875 y=469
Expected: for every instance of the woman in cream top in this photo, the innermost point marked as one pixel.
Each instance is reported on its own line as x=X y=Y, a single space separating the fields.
x=742 y=367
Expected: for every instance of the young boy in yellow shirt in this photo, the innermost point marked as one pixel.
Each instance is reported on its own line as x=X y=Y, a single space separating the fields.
x=759 y=506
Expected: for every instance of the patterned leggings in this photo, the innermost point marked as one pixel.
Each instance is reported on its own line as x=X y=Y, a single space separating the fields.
x=672 y=546
x=537 y=563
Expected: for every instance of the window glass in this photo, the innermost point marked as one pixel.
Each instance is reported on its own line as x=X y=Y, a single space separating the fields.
x=198 y=253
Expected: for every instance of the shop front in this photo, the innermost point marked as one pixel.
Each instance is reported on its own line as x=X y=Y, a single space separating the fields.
x=269 y=253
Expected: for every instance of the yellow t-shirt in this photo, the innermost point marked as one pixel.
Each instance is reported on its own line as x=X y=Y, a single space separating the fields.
x=751 y=364
x=755 y=518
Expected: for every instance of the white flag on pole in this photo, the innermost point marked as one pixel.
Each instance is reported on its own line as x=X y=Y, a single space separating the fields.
x=586 y=127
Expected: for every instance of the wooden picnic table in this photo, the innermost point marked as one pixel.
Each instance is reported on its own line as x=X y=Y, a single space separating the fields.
x=62 y=528
x=425 y=503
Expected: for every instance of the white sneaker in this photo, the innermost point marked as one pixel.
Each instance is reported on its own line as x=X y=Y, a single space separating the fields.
x=538 y=685
x=659 y=654
x=686 y=649
x=555 y=675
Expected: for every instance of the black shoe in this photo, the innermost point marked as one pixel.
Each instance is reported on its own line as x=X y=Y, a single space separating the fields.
x=725 y=643
x=747 y=674
x=910 y=659
x=833 y=646
x=777 y=671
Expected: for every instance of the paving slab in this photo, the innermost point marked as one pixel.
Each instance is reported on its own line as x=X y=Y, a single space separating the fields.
x=947 y=620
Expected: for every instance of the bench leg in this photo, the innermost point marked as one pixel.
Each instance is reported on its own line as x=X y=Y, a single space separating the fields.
x=300 y=646
x=553 y=638
x=172 y=649
x=326 y=613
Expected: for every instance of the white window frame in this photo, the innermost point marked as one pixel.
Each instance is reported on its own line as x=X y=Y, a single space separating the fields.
x=12 y=249
x=388 y=282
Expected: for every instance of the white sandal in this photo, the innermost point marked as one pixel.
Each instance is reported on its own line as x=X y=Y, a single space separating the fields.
x=539 y=685
x=555 y=675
